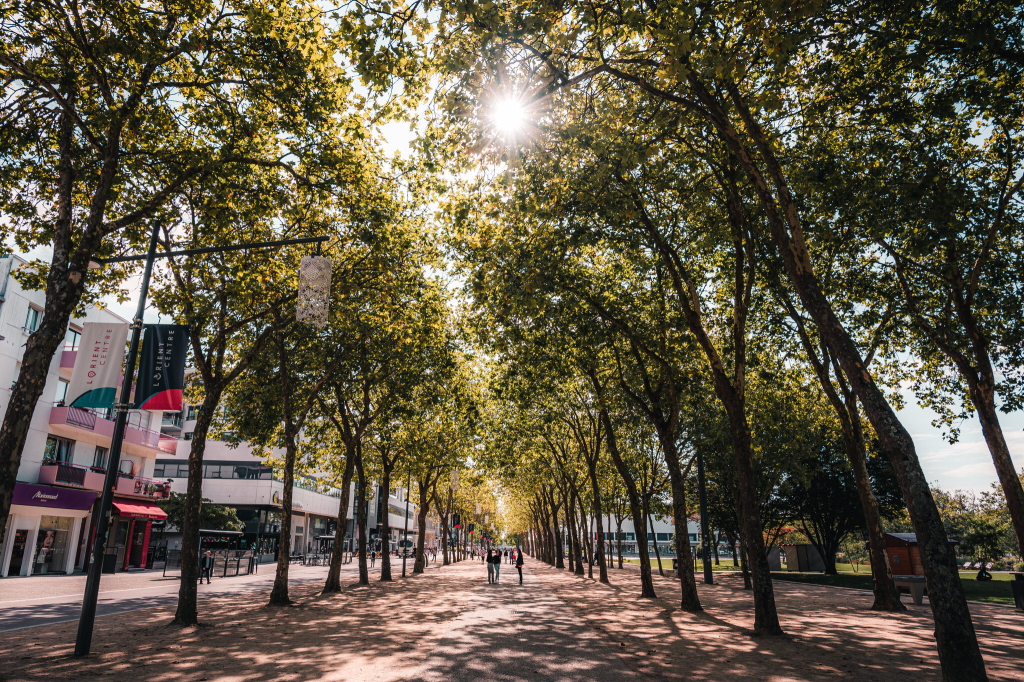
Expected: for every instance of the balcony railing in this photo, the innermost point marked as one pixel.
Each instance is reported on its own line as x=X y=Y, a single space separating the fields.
x=99 y=422
x=171 y=420
x=92 y=478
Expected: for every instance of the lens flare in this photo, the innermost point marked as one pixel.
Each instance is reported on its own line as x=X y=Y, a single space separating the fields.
x=508 y=115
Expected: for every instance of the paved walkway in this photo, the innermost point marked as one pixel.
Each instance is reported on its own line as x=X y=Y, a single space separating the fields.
x=46 y=600
x=514 y=632
x=450 y=625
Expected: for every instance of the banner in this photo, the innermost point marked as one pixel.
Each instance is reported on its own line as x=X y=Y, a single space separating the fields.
x=97 y=372
x=162 y=367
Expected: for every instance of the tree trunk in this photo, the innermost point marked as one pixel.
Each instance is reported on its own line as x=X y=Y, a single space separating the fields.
x=333 y=583
x=744 y=567
x=646 y=580
x=887 y=596
x=956 y=640
x=885 y=592
x=385 y=529
x=65 y=283
x=766 y=618
x=689 y=600
x=557 y=536
x=421 y=524
x=983 y=397
x=654 y=536
x=279 y=593
x=595 y=486
x=618 y=537
x=364 y=573
x=187 y=612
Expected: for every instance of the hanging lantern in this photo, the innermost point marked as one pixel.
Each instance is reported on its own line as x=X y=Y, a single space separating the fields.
x=314 y=290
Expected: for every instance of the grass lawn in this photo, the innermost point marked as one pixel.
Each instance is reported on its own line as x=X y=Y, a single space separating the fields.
x=995 y=592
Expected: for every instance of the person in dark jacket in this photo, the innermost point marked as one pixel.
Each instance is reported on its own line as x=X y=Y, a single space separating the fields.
x=497 y=565
x=206 y=567
x=519 y=564
x=490 y=566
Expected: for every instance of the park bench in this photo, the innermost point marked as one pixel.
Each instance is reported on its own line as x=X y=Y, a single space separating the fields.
x=913 y=584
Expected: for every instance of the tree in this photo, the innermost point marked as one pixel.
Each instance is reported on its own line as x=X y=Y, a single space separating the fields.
x=112 y=111
x=211 y=516
x=725 y=71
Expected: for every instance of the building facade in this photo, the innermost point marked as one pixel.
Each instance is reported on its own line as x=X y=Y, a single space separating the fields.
x=63 y=464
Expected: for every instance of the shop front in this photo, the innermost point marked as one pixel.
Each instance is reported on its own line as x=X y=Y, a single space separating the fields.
x=44 y=529
x=130 y=529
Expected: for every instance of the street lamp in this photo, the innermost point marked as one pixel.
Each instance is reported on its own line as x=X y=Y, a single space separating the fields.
x=87 y=619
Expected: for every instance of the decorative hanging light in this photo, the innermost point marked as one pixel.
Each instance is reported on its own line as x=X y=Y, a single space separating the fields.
x=314 y=290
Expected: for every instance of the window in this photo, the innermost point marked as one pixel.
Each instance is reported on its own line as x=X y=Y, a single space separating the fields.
x=190 y=413
x=99 y=458
x=693 y=537
x=188 y=436
x=664 y=537
x=62 y=392
x=59 y=449
x=158 y=470
x=32 y=319
x=72 y=338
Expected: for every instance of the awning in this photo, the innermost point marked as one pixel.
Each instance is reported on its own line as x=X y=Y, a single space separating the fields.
x=139 y=510
x=34 y=495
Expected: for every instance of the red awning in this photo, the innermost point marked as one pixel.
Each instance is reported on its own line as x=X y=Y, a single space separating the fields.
x=139 y=510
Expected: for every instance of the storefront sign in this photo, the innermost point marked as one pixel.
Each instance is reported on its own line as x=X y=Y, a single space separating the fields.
x=162 y=367
x=97 y=372
x=33 y=495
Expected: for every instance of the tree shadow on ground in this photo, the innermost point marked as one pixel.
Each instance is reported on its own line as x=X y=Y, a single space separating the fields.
x=829 y=632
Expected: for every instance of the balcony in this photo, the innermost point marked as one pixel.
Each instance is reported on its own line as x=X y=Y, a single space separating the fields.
x=171 y=422
x=91 y=478
x=135 y=437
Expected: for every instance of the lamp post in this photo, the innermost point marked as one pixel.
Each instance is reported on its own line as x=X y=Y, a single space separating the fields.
x=87 y=619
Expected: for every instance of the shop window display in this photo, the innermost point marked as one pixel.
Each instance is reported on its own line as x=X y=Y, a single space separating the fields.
x=52 y=545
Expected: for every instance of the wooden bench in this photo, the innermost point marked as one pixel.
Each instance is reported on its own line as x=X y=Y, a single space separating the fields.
x=913 y=584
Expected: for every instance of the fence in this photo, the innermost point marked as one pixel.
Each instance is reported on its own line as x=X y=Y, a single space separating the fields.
x=227 y=563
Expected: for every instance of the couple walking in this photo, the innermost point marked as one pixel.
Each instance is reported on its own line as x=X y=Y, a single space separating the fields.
x=494 y=565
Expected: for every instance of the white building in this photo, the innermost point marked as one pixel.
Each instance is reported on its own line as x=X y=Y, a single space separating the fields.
x=64 y=460
x=236 y=478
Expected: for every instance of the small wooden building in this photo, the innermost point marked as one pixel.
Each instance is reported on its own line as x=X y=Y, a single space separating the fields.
x=903 y=553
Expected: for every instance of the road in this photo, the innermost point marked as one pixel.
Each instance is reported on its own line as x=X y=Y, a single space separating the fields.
x=45 y=600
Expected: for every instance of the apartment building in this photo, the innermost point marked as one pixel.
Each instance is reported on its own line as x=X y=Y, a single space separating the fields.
x=237 y=478
x=63 y=465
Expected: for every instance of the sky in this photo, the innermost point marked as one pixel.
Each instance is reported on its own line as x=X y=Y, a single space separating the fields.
x=965 y=465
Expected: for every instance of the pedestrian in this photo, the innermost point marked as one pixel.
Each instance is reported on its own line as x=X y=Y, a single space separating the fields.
x=519 y=564
x=206 y=567
x=490 y=567
x=373 y=558
x=497 y=566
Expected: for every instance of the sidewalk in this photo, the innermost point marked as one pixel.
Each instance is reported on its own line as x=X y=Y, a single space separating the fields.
x=511 y=632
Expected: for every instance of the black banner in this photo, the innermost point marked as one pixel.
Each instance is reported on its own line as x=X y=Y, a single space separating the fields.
x=162 y=367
